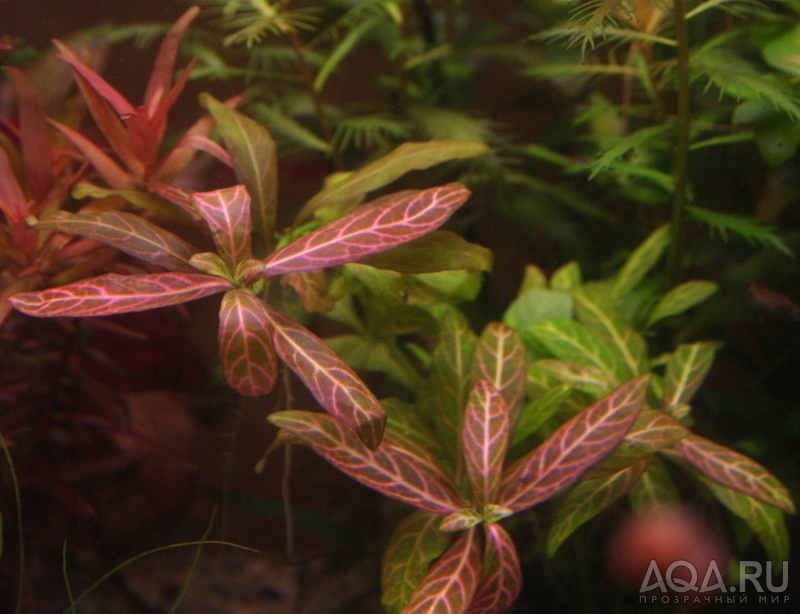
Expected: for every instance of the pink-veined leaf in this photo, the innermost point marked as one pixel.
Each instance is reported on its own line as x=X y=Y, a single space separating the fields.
x=574 y=447
x=397 y=437
x=37 y=155
x=245 y=344
x=485 y=439
x=112 y=293
x=12 y=199
x=415 y=543
x=452 y=581
x=114 y=175
x=654 y=430
x=227 y=213
x=501 y=580
x=128 y=233
x=500 y=358
x=388 y=471
x=735 y=470
x=686 y=370
x=460 y=520
x=371 y=228
x=201 y=142
x=332 y=382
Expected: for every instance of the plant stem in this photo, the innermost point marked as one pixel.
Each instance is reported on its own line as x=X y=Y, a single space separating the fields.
x=681 y=151
x=20 y=525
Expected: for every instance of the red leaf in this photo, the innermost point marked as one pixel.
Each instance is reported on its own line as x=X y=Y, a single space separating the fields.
x=735 y=470
x=397 y=475
x=371 y=228
x=334 y=384
x=245 y=346
x=227 y=213
x=12 y=200
x=112 y=293
x=143 y=140
x=574 y=447
x=501 y=580
x=159 y=120
x=129 y=233
x=500 y=358
x=485 y=440
x=451 y=583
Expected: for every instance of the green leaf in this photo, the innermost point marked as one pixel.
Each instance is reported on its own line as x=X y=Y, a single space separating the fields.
x=641 y=261
x=535 y=305
x=686 y=370
x=460 y=520
x=752 y=230
x=343 y=48
x=500 y=358
x=566 y=277
x=289 y=127
x=414 y=545
x=654 y=488
x=591 y=380
x=254 y=160
x=368 y=354
x=624 y=145
x=538 y=411
x=407 y=157
x=680 y=298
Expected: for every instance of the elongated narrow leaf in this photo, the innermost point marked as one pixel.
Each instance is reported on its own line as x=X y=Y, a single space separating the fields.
x=641 y=261
x=535 y=413
x=681 y=298
x=334 y=384
x=397 y=475
x=371 y=228
x=686 y=370
x=654 y=430
x=12 y=200
x=112 y=293
x=128 y=233
x=452 y=581
x=384 y=170
x=245 y=344
x=501 y=579
x=414 y=545
x=654 y=488
x=588 y=498
x=500 y=359
x=227 y=213
x=254 y=160
x=573 y=448
x=485 y=440
x=460 y=520
x=587 y=378
x=735 y=470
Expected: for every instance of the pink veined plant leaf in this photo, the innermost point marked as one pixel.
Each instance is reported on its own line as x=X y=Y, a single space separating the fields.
x=573 y=448
x=245 y=344
x=500 y=358
x=735 y=470
x=403 y=443
x=452 y=581
x=227 y=213
x=501 y=580
x=112 y=293
x=396 y=475
x=332 y=382
x=485 y=440
x=128 y=233
x=371 y=228
x=12 y=199
x=415 y=543
x=654 y=430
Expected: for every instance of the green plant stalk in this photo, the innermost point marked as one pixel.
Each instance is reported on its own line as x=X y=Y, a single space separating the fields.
x=195 y=562
x=67 y=584
x=20 y=527
x=681 y=151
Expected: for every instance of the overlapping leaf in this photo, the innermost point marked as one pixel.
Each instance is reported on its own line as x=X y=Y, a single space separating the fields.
x=245 y=344
x=334 y=384
x=500 y=358
x=681 y=298
x=128 y=233
x=452 y=581
x=573 y=448
x=371 y=228
x=397 y=475
x=735 y=470
x=686 y=370
x=227 y=213
x=641 y=261
x=653 y=488
x=112 y=293
x=501 y=578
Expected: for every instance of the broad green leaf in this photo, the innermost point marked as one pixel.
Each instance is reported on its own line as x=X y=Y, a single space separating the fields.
x=537 y=412
x=245 y=346
x=343 y=48
x=641 y=261
x=403 y=418
x=566 y=277
x=334 y=384
x=783 y=52
x=500 y=358
x=654 y=488
x=128 y=233
x=414 y=545
x=112 y=293
x=254 y=160
x=281 y=123
x=210 y=263
x=440 y=250
x=767 y=521
x=680 y=298
x=686 y=369
x=384 y=170
x=485 y=435
x=227 y=213
x=501 y=577
x=387 y=469
x=452 y=581
x=587 y=378
x=735 y=470
x=573 y=342
x=588 y=498
x=577 y=445
x=369 y=354
x=536 y=304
